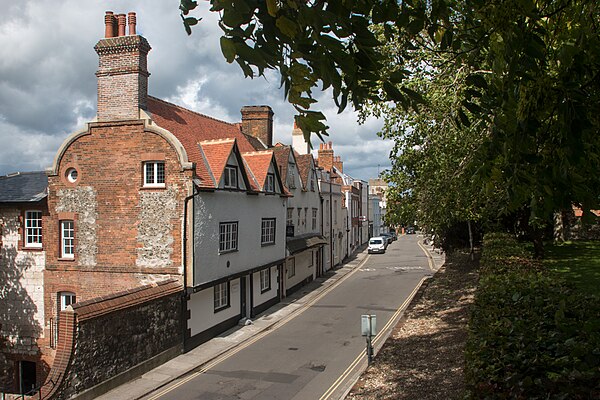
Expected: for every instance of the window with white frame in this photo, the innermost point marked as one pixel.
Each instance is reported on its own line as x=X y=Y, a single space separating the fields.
x=312 y=182
x=265 y=280
x=228 y=236
x=270 y=183
x=221 y=296
x=154 y=174
x=299 y=217
x=291 y=267
x=33 y=229
x=230 y=179
x=67 y=239
x=65 y=299
x=290 y=217
x=267 y=231
x=314 y=218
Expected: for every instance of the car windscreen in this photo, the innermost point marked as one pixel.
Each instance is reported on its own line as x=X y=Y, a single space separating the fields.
x=376 y=241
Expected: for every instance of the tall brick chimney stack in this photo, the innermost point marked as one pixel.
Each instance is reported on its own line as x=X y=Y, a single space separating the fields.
x=298 y=142
x=257 y=121
x=123 y=69
x=338 y=163
x=325 y=156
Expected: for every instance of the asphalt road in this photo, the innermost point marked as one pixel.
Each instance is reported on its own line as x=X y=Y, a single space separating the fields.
x=318 y=353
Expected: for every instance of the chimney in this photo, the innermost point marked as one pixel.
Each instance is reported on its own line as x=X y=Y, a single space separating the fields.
x=325 y=156
x=122 y=70
x=298 y=142
x=337 y=162
x=257 y=121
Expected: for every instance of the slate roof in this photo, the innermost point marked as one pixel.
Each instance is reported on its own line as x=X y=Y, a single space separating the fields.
x=23 y=187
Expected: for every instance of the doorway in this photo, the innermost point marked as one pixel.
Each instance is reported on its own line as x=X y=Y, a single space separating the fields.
x=27 y=376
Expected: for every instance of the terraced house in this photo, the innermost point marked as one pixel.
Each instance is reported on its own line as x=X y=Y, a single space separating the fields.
x=304 y=239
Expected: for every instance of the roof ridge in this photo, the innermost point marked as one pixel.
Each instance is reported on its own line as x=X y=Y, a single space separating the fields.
x=236 y=124
x=217 y=141
x=257 y=152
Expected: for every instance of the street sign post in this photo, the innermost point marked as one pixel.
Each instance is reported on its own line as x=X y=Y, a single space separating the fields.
x=368 y=324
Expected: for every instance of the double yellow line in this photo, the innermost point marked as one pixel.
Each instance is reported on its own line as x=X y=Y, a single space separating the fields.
x=378 y=338
x=278 y=324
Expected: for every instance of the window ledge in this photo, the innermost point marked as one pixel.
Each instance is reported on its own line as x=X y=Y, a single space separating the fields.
x=227 y=251
x=66 y=259
x=267 y=244
x=34 y=249
x=163 y=187
x=222 y=308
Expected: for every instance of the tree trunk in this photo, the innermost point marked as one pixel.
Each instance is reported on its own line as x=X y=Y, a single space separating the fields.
x=537 y=237
x=471 y=241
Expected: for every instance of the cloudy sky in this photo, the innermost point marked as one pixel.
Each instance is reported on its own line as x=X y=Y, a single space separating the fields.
x=48 y=86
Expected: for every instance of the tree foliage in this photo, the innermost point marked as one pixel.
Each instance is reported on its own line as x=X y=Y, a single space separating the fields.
x=492 y=103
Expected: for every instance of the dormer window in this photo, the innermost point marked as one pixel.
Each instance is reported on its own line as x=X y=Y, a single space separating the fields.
x=270 y=183
x=154 y=174
x=312 y=183
x=230 y=179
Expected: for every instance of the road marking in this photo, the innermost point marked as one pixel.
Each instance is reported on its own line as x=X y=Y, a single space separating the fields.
x=231 y=352
x=429 y=257
x=378 y=338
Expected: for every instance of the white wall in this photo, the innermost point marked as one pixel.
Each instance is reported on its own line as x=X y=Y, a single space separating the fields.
x=211 y=208
x=261 y=298
x=305 y=266
x=202 y=312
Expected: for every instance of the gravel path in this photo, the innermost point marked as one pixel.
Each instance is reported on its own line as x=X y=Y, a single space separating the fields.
x=423 y=357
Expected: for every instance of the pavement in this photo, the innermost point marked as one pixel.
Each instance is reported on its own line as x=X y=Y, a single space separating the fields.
x=217 y=348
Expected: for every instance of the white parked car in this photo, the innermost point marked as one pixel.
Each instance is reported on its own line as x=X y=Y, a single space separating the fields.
x=377 y=244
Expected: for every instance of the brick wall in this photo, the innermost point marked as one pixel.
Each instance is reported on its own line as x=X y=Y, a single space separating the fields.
x=125 y=235
x=257 y=121
x=122 y=77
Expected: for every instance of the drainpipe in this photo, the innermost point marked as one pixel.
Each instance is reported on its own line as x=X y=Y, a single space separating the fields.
x=185 y=239
x=322 y=251
x=330 y=224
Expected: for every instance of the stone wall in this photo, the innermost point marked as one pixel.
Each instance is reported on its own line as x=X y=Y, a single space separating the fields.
x=21 y=298
x=116 y=333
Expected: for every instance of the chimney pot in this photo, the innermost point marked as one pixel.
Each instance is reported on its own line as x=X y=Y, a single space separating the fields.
x=109 y=24
x=122 y=19
x=132 y=22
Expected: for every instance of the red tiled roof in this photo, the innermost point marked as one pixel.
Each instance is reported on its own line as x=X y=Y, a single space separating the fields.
x=282 y=156
x=258 y=162
x=215 y=154
x=303 y=161
x=191 y=128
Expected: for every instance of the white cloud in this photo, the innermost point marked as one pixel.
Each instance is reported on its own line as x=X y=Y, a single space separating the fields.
x=48 y=87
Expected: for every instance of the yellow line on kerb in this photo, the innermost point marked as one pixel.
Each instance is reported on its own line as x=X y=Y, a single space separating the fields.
x=280 y=323
x=429 y=257
x=382 y=333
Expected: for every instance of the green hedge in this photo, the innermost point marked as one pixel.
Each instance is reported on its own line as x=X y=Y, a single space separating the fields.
x=531 y=335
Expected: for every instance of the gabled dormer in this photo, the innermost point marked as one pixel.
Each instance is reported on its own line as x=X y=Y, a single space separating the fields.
x=223 y=165
x=262 y=167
